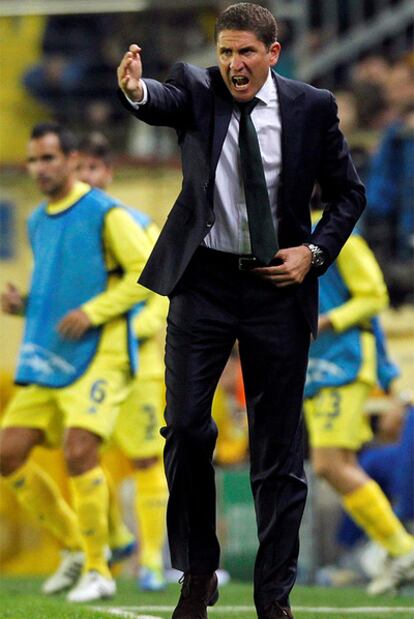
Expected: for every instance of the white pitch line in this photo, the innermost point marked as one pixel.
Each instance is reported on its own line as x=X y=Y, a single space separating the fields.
x=128 y=612
x=355 y=609
x=125 y=614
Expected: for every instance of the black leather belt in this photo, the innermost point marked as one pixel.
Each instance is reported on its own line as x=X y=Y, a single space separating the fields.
x=228 y=260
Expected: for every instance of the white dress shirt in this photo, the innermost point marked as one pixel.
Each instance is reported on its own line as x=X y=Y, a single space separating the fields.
x=230 y=232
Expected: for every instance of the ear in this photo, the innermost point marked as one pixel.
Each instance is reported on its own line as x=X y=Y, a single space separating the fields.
x=110 y=172
x=73 y=159
x=274 y=52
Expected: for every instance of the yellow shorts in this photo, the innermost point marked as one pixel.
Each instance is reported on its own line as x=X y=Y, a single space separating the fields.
x=137 y=429
x=336 y=417
x=92 y=403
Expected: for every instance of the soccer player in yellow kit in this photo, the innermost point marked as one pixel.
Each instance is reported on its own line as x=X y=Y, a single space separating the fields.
x=137 y=428
x=342 y=372
x=75 y=362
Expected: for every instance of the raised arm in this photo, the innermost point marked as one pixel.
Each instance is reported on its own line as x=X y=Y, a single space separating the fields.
x=160 y=104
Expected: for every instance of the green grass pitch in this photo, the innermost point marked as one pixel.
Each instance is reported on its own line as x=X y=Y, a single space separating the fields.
x=20 y=599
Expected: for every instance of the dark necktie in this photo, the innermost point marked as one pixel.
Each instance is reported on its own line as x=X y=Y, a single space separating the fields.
x=262 y=231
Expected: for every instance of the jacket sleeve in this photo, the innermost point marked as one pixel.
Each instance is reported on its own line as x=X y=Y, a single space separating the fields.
x=342 y=191
x=168 y=103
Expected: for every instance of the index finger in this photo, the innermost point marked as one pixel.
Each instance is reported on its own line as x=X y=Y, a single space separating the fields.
x=135 y=49
x=271 y=269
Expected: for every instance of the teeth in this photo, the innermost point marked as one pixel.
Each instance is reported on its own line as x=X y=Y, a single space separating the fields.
x=239 y=80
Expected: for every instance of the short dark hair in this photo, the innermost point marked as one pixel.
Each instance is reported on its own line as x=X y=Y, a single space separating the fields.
x=67 y=140
x=250 y=17
x=97 y=145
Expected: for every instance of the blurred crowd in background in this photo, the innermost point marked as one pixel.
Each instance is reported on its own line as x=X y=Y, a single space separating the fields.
x=76 y=80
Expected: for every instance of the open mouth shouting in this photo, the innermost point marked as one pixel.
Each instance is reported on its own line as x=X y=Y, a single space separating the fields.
x=240 y=82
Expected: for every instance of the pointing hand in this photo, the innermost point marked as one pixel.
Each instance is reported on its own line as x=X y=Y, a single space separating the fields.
x=129 y=73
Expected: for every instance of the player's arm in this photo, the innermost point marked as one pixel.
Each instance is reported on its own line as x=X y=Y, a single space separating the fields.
x=130 y=247
x=364 y=280
x=151 y=319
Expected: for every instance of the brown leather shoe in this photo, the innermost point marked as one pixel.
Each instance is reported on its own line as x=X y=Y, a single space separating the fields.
x=197 y=592
x=276 y=611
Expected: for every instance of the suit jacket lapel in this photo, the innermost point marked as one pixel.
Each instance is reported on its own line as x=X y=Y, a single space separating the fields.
x=291 y=107
x=222 y=116
x=223 y=109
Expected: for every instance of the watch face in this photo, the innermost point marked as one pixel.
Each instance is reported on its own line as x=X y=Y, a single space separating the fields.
x=318 y=257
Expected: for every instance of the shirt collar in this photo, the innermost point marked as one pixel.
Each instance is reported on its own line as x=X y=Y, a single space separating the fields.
x=268 y=91
x=78 y=190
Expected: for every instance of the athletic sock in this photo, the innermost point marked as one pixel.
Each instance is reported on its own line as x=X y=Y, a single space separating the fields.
x=372 y=511
x=41 y=496
x=150 y=509
x=90 y=498
x=118 y=533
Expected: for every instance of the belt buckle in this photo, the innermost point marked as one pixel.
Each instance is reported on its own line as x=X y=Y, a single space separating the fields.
x=246 y=263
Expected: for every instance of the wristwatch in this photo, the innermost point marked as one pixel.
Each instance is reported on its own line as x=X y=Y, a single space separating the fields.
x=318 y=255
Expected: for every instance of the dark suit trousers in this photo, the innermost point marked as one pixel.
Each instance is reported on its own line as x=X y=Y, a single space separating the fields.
x=214 y=305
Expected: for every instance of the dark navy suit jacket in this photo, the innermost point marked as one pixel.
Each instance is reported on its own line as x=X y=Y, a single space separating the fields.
x=197 y=104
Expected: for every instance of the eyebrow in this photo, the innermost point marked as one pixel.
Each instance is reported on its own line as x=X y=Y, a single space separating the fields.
x=46 y=157
x=247 y=48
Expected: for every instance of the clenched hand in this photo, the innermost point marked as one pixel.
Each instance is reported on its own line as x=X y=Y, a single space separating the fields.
x=74 y=324
x=296 y=263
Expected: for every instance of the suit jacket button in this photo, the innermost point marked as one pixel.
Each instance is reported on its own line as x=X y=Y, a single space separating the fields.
x=209 y=224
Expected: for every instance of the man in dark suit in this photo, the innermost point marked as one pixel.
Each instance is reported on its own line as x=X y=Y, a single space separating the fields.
x=231 y=278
